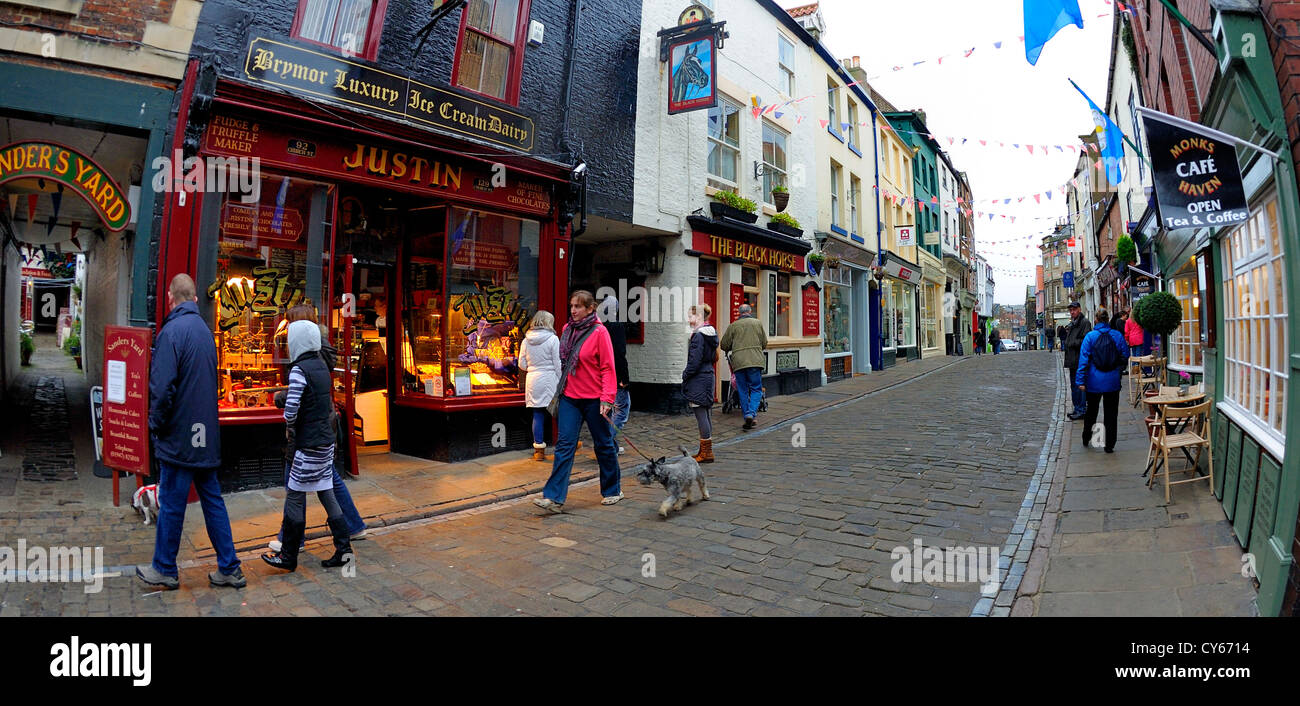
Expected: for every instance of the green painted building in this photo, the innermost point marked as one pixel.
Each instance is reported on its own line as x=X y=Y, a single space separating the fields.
x=910 y=126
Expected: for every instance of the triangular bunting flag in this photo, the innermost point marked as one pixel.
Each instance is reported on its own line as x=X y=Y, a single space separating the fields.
x=824 y=123
x=1030 y=148
x=756 y=111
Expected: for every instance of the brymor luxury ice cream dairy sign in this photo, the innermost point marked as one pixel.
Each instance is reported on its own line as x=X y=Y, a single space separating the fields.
x=312 y=73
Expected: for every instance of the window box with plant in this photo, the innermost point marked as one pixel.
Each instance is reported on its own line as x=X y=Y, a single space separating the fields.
x=734 y=206
x=785 y=224
x=780 y=197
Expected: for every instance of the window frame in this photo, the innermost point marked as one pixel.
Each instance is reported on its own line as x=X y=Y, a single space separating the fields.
x=724 y=103
x=374 y=30
x=781 y=42
x=769 y=167
x=836 y=176
x=1245 y=332
x=855 y=213
x=851 y=138
x=1182 y=338
x=832 y=106
x=776 y=318
x=515 y=75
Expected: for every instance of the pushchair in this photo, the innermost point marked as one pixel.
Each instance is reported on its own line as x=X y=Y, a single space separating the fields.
x=733 y=398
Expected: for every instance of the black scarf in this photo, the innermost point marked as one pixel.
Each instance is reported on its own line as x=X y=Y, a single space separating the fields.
x=573 y=332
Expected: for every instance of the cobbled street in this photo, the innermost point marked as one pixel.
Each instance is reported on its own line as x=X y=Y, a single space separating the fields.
x=802 y=521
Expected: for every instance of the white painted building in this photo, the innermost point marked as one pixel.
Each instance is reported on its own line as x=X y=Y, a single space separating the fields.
x=681 y=161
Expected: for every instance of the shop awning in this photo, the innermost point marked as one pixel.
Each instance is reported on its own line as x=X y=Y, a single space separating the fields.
x=848 y=252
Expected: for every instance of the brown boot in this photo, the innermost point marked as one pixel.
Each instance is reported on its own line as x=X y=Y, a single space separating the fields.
x=539 y=452
x=706 y=451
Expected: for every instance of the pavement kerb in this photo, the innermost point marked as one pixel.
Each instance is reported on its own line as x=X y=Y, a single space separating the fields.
x=579 y=479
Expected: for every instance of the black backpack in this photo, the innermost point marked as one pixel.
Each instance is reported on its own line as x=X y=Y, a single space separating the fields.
x=1105 y=355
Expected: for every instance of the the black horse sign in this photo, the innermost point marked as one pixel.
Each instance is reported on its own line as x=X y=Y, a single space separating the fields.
x=693 y=75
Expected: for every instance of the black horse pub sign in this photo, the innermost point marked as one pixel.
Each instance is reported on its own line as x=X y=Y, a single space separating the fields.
x=691 y=50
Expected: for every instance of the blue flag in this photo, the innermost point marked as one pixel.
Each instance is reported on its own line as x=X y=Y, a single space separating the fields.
x=1043 y=19
x=1109 y=138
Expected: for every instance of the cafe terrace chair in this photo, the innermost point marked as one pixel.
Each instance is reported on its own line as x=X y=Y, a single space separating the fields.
x=1194 y=422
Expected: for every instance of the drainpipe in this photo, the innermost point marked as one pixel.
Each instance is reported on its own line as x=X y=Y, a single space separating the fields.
x=877 y=352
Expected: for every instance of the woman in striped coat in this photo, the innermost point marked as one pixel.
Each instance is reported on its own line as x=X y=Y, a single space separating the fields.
x=307 y=416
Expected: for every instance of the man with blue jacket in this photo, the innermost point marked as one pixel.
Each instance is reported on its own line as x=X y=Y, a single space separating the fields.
x=186 y=439
x=1102 y=358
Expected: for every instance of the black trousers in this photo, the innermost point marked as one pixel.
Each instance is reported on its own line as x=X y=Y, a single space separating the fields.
x=1110 y=421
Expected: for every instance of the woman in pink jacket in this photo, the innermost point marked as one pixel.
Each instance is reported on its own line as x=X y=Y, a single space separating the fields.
x=1134 y=334
x=588 y=383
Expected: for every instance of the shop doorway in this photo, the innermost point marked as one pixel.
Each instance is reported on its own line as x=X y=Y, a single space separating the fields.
x=369 y=347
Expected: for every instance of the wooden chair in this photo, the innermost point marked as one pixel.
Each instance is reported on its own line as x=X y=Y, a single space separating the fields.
x=1134 y=372
x=1144 y=381
x=1195 y=424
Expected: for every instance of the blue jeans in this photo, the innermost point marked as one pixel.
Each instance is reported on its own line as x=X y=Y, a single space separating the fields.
x=349 y=508
x=539 y=425
x=173 y=491
x=569 y=417
x=996 y=346
x=1078 y=397
x=623 y=407
x=749 y=387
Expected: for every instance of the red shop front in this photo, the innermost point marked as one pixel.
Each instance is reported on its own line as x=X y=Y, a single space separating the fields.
x=431 y=262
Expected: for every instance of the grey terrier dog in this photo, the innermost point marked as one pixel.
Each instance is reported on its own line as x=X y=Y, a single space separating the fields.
x=676 y=477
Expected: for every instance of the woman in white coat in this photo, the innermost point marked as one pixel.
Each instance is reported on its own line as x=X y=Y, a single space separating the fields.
x=539 y=358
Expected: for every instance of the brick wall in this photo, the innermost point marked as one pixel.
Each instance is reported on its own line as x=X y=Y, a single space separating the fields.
x=1165 y=49
x=1284 y=16
x=110 y=19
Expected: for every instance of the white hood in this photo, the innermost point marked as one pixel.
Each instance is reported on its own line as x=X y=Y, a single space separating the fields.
x=707 y=330
x=538 y=336
x=304 y=336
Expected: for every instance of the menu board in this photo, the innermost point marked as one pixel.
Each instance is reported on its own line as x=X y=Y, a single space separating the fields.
x=737 y=299
x=812 y=310
x=126 y=404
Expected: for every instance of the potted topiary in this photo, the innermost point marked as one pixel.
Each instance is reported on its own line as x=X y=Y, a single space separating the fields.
x=1160 y=313
x=1125 y=250
x=786 y=224
x=734 y=206
x=780 y=197
x=27 y=346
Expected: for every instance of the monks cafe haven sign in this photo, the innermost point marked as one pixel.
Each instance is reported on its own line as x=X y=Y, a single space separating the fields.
x=1197 y=180
x=311 y=73
x=65 y=168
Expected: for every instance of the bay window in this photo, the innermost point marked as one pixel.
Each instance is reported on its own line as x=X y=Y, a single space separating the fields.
x=1255 y=345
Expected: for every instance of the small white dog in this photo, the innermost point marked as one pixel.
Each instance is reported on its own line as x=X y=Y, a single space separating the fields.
x=145 y=502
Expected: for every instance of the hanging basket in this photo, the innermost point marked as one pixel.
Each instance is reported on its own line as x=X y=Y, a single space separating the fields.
x=780 y=199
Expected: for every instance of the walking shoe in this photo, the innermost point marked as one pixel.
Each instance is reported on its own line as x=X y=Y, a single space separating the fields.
x=611 y=499
x=621 y=450
x=365 y=532
x=276 y=545
x=706 y=451
x=1110 y=451
x=151 y=576
x=749 y=423
x=235 y=580
x=548 y=504
x=539 y=452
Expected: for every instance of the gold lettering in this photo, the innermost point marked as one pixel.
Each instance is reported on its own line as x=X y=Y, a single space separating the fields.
x=418 y=164
x=381 y=168
x=452 y=176
x=82 y=168
x=354 y=161
x=61 y=165
x=399 y=165
x=46 y=153
x=262 y=59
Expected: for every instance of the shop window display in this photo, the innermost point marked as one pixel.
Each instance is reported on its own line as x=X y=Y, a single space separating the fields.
x=263 y=259
x=492 y=290
x=839 y=313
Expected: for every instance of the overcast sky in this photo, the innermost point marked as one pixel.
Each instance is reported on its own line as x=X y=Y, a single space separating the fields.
x=994 y=94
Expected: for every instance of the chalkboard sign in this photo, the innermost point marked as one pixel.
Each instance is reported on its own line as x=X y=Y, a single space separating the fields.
x=1246 y=491
x=1270 y=474
x=1230 y=472
x=97 y=418
x=787 y=360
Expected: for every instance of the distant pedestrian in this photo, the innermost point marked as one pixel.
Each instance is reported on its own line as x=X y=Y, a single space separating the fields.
x=979 y=341
x=1101 y=358
x=1060 y=336
x=698 y=379
x=744 y=342
x=308 y=410
x=187 y=439
x=609 y=315
x=586 y=392
x=1072 y=342
x=995 y=340
x=539 y=359
x=1051 y=339
x=1135 y=336
x=330 y=356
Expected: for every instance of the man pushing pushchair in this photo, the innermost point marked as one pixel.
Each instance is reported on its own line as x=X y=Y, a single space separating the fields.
x=744 y=342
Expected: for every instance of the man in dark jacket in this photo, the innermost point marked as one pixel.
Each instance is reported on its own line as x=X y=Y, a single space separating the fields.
x=186 y=439
x=1079 y=327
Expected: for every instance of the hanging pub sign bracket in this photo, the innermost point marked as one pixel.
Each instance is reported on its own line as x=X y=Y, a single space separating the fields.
x=691 y=51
